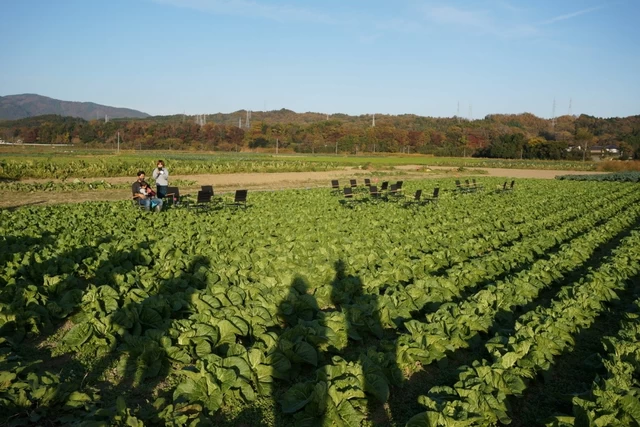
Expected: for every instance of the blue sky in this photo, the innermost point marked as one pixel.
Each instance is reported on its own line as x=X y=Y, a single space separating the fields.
x=349 y=56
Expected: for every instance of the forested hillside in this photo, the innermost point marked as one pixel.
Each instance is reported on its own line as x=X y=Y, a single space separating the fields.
x=29 y=105
x=497 y=135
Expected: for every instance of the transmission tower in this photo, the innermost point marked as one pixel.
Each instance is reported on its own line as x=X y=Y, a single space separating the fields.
x=553 y=115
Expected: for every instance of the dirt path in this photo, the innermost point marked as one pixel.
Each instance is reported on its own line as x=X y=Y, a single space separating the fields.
x=274 y=181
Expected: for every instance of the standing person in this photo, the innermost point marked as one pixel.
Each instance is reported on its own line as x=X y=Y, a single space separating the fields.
x=140 y=195
x=161 y=175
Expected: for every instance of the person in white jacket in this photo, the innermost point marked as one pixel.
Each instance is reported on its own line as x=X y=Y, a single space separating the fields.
x=161 y=175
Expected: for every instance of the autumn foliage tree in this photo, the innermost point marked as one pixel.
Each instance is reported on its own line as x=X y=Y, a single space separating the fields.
x=497 y=135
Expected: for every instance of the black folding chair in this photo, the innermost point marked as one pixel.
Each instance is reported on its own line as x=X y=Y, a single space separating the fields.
x=415 y=199
x=335 y=186
x=203 y=200
x=374 y=193
x=240 y=199
x=349 y=197
x=434 y=197
x=394 y=191
x=510 y=188
x=173 y=195
x=469 y=187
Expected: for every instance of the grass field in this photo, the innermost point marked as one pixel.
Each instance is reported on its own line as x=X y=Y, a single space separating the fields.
x=304 y=309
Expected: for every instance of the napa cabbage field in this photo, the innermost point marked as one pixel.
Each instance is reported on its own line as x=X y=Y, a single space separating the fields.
x=300 y=310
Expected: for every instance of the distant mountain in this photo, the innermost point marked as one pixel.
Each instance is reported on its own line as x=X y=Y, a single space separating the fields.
x=28 y=105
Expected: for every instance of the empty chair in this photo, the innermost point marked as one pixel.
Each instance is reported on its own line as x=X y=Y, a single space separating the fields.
x=434 y=197
x=393 y=190
x=373 y=192
x=349 y=197
x=173 y=195
x=203 y=200
x=469 y=187
x=353 y=183
x=510 y=187
x=348 y=193
x=505 y=188
x=384 y=186
x=399 y=186
x=461 y=188
x=415 y=199
x=367 y=182
x=476 y=185
x=240 y=198
x=207 y=189
x=335 y=186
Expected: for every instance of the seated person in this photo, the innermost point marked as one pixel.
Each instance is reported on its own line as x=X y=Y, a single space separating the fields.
x=140 y=194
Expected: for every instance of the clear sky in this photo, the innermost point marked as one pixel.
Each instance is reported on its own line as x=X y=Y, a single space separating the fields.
x=332 y=56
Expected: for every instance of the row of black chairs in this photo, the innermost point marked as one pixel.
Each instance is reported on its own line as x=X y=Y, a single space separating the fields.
x=393 y=193
x=468 y=187
x=206 y=198
x=392 y=189
x=353 y=184
x=473 y=187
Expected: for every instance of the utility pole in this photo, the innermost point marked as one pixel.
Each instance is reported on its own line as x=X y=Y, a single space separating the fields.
x=118 y=142
x=373 y=121
x=277 y=143
x=553 y=116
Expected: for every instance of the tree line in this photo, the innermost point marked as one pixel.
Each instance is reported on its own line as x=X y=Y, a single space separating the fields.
x=497 y=135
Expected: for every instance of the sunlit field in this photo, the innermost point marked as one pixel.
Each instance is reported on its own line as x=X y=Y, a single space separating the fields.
x=483 y=307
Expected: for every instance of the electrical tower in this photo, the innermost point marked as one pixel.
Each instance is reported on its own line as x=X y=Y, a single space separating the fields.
x=570 y=102
x=553 y=115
